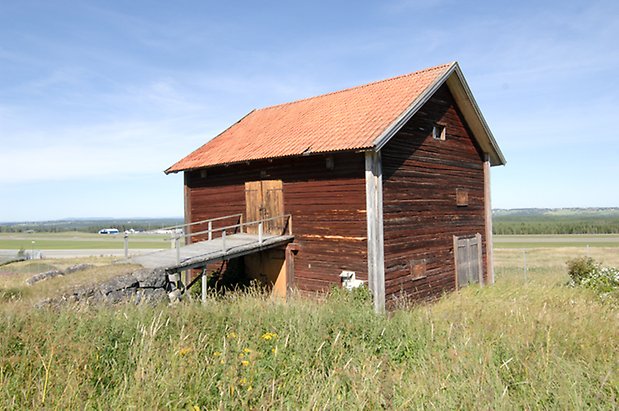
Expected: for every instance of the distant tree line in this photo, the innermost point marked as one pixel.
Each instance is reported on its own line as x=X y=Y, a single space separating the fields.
x=89 y=226
x=555 y=225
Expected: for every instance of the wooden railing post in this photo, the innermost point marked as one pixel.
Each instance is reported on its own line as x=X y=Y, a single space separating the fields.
x=241 y=223
x=290 y=224
x=210 y=230
x=260 y=232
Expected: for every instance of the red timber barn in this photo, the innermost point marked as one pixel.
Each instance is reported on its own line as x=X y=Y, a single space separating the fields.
x=389 y=180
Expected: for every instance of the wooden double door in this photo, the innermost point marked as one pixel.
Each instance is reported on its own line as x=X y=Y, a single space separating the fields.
x=264 y=200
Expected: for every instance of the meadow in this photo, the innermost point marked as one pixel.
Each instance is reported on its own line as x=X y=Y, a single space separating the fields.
x=80 y=241
x=556 y=240
x=526 y=342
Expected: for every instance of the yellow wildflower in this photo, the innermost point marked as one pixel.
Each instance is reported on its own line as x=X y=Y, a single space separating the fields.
x=217 y=354
x=268 y=336
x=232 y=335
x=246 y=350
x=184 y=351
x=244 y=363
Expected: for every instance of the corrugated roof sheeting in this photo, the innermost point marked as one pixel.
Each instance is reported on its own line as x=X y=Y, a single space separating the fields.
x=344 y=120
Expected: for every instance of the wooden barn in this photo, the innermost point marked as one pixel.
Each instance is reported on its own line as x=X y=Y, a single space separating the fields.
x=387 y=182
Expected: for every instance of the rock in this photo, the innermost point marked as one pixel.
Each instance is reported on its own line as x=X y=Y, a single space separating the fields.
x=151 y=278
x=142 y=286
x=55 y=273
x=77 y=267
x=119 y=283
x=43 y=276
x=174 y=296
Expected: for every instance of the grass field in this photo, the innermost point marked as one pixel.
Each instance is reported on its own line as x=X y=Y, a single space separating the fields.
x=557 y=240
x=85 y=241
x=79 y=241
x=528 y=342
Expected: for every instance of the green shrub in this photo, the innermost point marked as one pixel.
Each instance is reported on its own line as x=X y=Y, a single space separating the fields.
x=580 y=269
x=586 y=272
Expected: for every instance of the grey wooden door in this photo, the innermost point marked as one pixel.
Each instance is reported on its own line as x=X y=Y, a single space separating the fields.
x=468 y=260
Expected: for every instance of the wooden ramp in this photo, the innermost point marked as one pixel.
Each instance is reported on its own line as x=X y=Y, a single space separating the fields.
x=224 y=247
x=204 y=252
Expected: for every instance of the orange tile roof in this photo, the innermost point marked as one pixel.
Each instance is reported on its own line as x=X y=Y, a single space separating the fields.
x=349 y=119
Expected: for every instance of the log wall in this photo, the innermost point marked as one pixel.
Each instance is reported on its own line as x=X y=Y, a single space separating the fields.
x=421 y=215
x=327 y=205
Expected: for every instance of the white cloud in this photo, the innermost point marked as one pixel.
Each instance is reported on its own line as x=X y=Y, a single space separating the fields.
x=119 y=149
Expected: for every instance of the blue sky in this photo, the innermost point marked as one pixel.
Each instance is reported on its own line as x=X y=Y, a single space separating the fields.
x=97 y=98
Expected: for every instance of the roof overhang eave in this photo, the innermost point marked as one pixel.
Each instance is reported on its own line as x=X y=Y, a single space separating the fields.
x=360 y=149
x=466 y=103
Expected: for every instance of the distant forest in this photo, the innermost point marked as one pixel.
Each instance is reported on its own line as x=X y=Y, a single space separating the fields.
x=505 y=221
x=90 y=225
x=556 y=221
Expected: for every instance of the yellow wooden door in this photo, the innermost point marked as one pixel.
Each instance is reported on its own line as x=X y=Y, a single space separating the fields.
x=273 y=205
x=264 y=200
x=253 y=204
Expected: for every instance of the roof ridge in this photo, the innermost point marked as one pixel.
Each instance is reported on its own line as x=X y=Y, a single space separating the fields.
x=440 y=66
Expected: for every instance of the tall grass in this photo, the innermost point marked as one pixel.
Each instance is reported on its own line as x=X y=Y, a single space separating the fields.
x=534 y=344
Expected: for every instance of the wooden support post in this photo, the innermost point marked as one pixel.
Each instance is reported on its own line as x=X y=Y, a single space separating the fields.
x=126 y=245
x=374 y=214
x=241 y=223
x=260 y=233
x=210 y=230
x=290 y=224
x=204 y=280
x=488 y=215
x=291 y=250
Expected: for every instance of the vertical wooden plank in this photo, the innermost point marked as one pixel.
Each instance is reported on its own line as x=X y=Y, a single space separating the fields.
x=455 y=242
x=253 y=203
x=291 y=250
x=187 y=205
x=370 y=207
x=488 y=218
x=273 y=205
x=380 y=255
x=374 y=214
x=480 y=265
x=469 y=260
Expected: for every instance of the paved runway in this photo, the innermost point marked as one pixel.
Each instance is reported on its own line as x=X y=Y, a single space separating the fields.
x=81 y=253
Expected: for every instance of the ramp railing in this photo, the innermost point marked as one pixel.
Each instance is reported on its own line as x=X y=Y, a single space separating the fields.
x=263 y=230
x=242 y=227
x=181 y=231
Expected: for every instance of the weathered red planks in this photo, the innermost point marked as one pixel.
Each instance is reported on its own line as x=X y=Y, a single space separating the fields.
x=420 y=178
x=328 y=208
